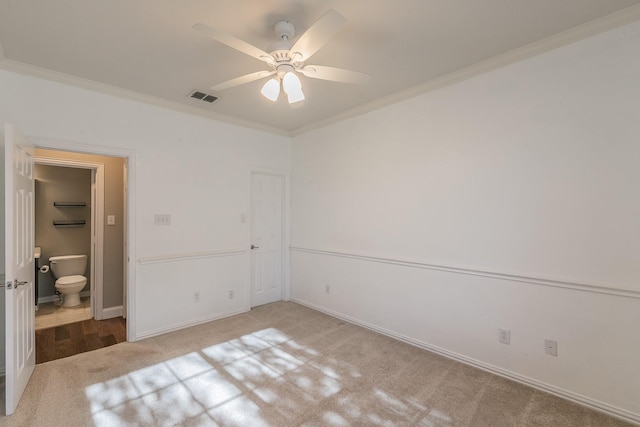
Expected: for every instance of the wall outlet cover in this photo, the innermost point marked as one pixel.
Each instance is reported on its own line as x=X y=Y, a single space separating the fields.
x=551 y=347
x=504 y=336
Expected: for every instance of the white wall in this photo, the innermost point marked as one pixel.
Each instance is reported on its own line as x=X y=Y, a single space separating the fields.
x=509 y=200
x=193 y=168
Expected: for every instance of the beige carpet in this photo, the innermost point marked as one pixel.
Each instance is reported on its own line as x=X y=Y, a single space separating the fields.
x=281 y=365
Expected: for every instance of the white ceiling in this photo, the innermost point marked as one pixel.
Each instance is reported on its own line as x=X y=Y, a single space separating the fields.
x=148 y=47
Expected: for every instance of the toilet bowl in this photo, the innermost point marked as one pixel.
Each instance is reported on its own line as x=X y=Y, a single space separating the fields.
x=70 y=287
x=69 y=270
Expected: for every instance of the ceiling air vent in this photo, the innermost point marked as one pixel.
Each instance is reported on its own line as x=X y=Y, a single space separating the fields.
x=203 y=96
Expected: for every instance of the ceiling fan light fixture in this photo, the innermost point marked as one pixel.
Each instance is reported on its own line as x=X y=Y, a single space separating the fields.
x=271 y=90
x=286 y=59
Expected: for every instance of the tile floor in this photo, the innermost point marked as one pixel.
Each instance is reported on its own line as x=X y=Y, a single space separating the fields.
x=49 y=314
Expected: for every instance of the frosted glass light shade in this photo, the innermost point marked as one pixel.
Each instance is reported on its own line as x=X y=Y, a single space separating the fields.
x=271 y=90
x=291 y=83
x=293 y=88
x=295 y=96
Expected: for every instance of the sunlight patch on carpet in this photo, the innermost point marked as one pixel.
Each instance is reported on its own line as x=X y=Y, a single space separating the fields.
x=262 y=378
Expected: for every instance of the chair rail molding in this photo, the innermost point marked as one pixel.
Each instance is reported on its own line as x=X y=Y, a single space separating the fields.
x=531 y=279
x=188 y=256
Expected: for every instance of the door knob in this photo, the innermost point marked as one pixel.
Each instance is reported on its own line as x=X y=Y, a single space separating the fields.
x=15 y=284
x=255 y=247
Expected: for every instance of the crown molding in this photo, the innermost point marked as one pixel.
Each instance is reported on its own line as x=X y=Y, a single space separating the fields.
x=609 y=22
x=68 y=79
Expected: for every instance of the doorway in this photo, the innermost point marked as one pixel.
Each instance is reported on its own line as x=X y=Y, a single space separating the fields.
x=96 y=210
x=69 y=199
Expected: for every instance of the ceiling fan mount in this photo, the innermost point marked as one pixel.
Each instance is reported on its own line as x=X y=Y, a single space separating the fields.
x=286 y=59
x=284 y=30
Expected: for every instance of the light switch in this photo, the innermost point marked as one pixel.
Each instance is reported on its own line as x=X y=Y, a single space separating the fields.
x=162 y=219
x=111 y=220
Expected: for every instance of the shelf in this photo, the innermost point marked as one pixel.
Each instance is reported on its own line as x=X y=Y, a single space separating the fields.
x=70 y=223
x=69 y=204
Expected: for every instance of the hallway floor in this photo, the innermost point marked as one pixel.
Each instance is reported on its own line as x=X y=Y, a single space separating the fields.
x=63 y=332
x=79 y=337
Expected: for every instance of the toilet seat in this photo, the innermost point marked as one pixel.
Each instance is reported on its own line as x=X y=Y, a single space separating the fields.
x=71 y=280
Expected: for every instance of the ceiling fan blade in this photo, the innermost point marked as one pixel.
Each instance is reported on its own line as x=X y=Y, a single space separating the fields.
x=334 y=74
x=233 y=42
x=318 y=34
x=247 y=78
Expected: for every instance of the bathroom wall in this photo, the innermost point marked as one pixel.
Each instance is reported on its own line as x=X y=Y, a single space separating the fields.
x=113 y=234
x=60 y=184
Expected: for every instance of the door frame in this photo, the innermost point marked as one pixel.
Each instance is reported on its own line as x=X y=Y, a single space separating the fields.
x=286 y=229
x=96 y=273
x=129 y=157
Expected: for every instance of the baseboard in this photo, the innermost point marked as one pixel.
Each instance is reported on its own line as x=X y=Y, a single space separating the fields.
x=54 y=298
x=184 y=325
x=108 y=313
x=557 y=391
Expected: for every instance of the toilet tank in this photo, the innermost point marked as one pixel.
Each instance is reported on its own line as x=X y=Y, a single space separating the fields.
x=68 y=265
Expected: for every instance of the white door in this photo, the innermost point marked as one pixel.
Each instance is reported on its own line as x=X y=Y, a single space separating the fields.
x=266 y=238
x=20 y=354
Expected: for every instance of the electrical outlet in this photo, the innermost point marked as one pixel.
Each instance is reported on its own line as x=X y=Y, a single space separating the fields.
x=231 y=294
x=111 y=220
x=196 y=296
x=327 y=289
x=162 y=219
x=504 y=336
x=551 y=347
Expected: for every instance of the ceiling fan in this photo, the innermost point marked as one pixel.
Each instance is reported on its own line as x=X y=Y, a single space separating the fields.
x=287 y=59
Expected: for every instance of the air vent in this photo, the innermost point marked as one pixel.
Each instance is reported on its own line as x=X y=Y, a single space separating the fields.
x=196 y=94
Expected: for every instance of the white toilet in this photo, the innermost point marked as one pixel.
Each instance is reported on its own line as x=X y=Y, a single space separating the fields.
x=69 y=270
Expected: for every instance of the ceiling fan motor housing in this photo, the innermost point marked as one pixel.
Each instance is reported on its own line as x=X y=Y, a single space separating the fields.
x=283 y=69
x=280 y=55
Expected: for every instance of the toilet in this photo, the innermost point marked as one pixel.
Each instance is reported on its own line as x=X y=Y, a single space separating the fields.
x=69 y=270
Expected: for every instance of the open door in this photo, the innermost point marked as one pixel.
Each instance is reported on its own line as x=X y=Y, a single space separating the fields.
x=20 y=354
